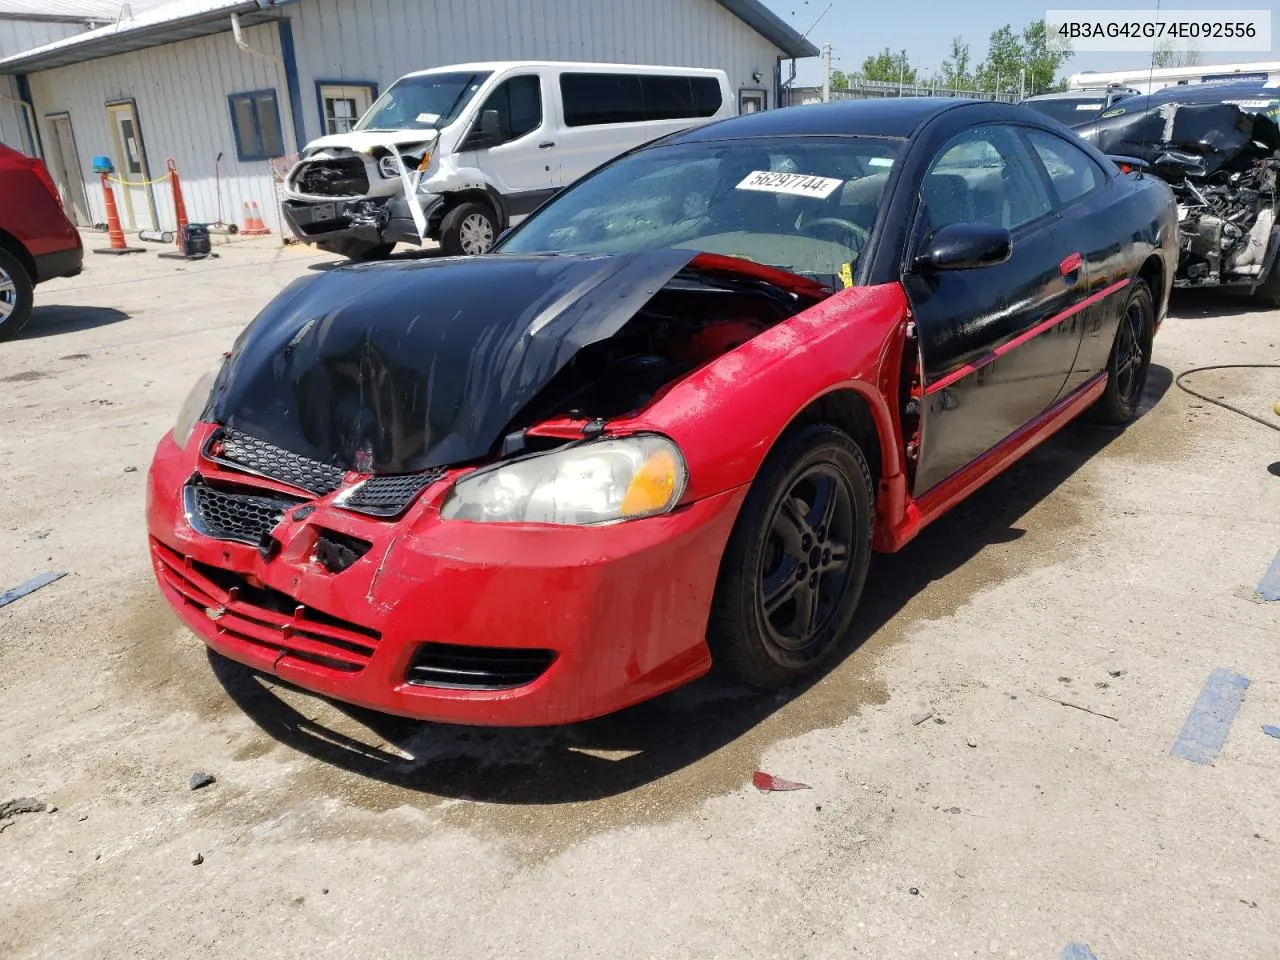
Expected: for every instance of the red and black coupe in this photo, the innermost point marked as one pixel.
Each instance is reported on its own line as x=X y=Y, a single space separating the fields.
x=666 y=423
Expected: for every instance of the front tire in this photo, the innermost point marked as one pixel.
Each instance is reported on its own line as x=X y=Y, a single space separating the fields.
x=469 y=229
x=16 y=295
x=1130 y=359
x=796 y=562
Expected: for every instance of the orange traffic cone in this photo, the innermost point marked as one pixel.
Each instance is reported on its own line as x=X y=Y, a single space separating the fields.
x=254 y=226
x=114 y=232
x=179 y=207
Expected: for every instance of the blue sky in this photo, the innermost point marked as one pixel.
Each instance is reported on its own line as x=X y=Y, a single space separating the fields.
x=925 y=28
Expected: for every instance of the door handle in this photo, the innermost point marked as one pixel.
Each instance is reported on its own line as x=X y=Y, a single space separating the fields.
x=544 y=146
x=1070 y=265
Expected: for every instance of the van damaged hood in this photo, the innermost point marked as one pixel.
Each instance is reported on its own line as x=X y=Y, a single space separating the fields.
x=397 y=367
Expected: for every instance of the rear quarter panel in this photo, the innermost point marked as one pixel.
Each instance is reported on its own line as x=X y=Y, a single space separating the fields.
x=29 y=212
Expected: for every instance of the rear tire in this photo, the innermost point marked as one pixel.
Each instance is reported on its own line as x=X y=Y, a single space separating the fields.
x=16 y=295
x=796 y=563
x=1130 y=359
x=469 y=229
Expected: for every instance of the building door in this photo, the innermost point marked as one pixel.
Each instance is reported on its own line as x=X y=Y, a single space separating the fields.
x=136 y=203
x=341 y=105
x=64 y=164
x=752 y=101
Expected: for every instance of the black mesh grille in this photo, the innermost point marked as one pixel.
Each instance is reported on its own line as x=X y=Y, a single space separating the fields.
x=225 y=515
x=387 y=496
x=239 y=450
x=476 y=668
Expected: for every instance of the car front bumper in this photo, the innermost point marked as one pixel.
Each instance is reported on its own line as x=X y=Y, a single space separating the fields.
x=623 y=607
x=372 y=220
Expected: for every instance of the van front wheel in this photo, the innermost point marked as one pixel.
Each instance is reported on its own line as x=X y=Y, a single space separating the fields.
x=468 y=229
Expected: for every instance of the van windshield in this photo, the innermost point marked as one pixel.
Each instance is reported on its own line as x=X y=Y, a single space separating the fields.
x=424 y=102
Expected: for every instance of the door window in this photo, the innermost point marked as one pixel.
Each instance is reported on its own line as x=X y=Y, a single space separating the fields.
x=1072 y=172
x=519 y=105
x=983 y=175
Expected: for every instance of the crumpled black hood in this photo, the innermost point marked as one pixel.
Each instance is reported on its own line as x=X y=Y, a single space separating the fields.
x=400 y=366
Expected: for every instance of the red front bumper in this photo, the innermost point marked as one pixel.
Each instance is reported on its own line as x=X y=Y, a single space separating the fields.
x=624 y=607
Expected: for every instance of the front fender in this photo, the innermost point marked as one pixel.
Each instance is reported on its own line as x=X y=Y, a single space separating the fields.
x=727 y=416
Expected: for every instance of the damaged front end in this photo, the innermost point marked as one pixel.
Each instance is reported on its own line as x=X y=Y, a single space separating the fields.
x=1220 y=159
x=418 y=486
x=341 y=195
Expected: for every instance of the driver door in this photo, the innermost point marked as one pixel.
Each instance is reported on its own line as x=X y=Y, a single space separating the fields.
x=521 y=164
x=993 y=350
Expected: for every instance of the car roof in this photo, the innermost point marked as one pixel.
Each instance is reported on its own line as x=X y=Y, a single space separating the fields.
x=892 y=117
x=492 y=66
x=1210 y=92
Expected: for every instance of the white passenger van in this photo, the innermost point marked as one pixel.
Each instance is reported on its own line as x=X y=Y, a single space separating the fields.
x=457 y=154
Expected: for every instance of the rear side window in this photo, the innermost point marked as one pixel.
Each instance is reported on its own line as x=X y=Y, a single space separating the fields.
x=608 y=98
x=1071 y=171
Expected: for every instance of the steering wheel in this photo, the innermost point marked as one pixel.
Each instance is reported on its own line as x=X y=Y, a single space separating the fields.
x=837 y=230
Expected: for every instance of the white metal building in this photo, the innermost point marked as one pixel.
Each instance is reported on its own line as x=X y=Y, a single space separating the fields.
x=174 y=81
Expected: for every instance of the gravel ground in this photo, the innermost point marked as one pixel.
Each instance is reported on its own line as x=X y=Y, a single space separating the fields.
x=1112 y=571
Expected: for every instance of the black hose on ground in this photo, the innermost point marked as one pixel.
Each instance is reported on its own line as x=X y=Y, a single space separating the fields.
x=1223 y=403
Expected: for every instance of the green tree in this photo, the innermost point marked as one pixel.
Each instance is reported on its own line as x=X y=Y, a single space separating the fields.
x=1004 y=59
x=1042 y=56
x=1166 y=56
x=955 y=69
x=888 y=67
x=839 y=80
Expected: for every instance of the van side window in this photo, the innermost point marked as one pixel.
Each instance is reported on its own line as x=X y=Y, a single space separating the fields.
x=518 y=101
x=605 y=98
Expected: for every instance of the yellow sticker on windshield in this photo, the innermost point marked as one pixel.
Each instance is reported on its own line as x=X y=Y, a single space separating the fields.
x=846 y=274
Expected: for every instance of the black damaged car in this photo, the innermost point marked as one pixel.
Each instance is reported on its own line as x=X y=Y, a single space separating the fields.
x=1217 y=145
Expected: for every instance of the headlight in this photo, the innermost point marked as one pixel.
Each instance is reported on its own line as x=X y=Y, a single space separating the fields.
x=194 y=405
x=599 y=482
x=389 y=168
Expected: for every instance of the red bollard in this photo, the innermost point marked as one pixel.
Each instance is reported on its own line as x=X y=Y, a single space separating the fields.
x=114 y=231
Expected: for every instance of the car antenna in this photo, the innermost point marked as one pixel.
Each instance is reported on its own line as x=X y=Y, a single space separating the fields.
x=1151 y=73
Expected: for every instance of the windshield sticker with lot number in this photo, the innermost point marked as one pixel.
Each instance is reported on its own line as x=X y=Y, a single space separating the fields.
x=796 y=184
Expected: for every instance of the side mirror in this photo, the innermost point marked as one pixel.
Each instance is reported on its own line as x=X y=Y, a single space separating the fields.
x=963 y=246
x=487 y=132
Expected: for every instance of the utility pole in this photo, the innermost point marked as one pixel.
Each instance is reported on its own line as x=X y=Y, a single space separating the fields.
x=1022 y=84
x=826 y=72
x=902 y=69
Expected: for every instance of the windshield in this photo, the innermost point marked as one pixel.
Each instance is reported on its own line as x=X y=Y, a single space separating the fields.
x=805 y=205
x=425 y=102
x=1070 y=110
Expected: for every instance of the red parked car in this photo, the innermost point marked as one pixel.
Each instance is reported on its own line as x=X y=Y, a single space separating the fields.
x=668 y=420
x=37 y=241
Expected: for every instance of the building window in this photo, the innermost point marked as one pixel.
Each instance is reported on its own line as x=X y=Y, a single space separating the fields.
x=343 y=102
x=255 y=121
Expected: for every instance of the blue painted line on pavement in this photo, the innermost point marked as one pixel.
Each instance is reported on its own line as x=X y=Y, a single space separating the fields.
x=1077 y=951
x=31 y=586
x=1269 y=585
x=1210 y=719
x=1271 y=731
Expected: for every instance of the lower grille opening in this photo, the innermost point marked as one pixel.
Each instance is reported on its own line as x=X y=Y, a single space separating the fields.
x=476 y=668
x=260 y=616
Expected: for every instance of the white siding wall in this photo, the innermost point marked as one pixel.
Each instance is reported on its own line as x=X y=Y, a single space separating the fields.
x=181 y=93
x=16 y=36
x=381 y=40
